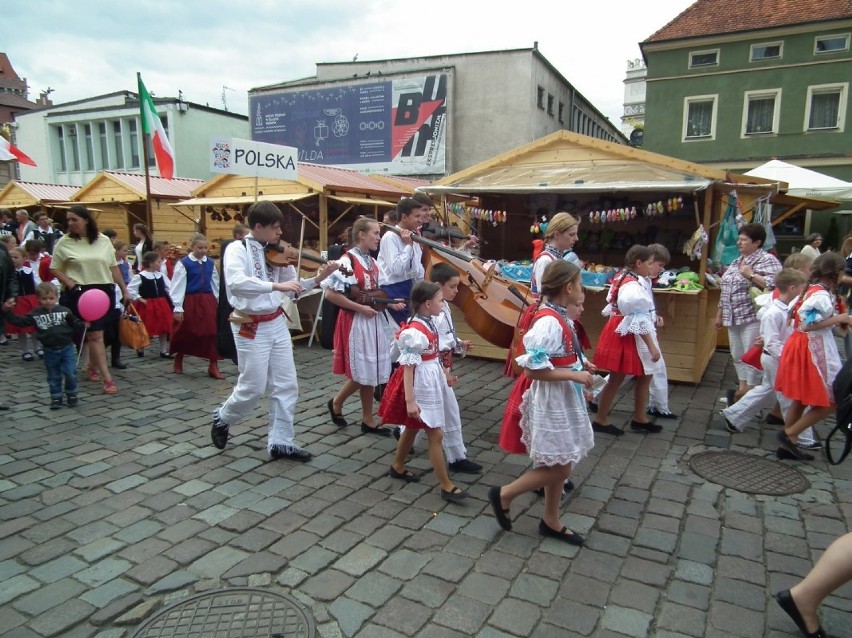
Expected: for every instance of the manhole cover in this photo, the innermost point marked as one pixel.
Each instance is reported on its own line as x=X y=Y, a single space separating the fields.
x=748 y=473
x=231 y=613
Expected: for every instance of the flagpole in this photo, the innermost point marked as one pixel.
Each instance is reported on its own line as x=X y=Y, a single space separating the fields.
x=149 y=220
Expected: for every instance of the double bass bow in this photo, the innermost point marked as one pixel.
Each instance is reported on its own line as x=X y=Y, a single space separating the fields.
x=491 y=304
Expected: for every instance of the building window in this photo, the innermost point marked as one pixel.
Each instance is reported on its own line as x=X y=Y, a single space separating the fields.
x=826 y=107
x=103 y=144
x=74 y=148
x=60 y=135
x=550 y=102
x=761 y=112
x=831 y=43
x=134 y=143
x=540 y=97
x=90 y=147
x=699 y=117
x=766 y=51
x=698 y=59
x=561 y=112
x=119 y=144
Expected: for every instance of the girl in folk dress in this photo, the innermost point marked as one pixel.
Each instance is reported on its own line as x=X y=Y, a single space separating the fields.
x=25 y=301
x=149 y=291
x=418 y=395
x=195 y=293
x=810 y=359
x=554 y=425
x=628 y=342
x=145 y=242
x=361 y=344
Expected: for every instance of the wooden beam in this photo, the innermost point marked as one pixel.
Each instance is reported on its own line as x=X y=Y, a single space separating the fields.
x=787 y=214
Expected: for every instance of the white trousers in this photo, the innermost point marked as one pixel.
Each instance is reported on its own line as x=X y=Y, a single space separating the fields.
x=658 y=394
x=741 y=339
x=265 y=361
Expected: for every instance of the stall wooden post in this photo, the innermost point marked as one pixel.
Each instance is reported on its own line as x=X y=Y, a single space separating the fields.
x=323 y=223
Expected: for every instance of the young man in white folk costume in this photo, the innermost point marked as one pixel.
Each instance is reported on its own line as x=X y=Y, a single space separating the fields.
x=256 y=291
x=400 y=257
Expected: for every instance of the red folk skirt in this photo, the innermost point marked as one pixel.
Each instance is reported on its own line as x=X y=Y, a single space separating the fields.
x=392 y=409
x=23 y=305
x=156 y=315
x=616 y=353
x=798 y=378
x=510 y=429
x=342 y=328
x=196 y=334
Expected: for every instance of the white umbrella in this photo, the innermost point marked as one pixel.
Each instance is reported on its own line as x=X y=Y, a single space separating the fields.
x=804 y=182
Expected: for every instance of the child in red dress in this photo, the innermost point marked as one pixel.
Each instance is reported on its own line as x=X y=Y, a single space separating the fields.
x=149 y=290
x=631 y=320
x=195 y=293
x=25 y=301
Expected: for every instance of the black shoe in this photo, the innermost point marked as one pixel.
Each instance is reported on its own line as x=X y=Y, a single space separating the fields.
x=397 y=432
x=563 y=534
x=56 y=403
x=567 y=488
x=40 y=353
x=71 y=400
x=788 y=446
x=28 y=356
x=466 y=466
x=786 y=602
x=337 y=419
x=648 y=428
x=118 y=365
x=166 y=355
x=730 y=427
x=219 y=431
x=730 y=396
x=377 y=430
x=593 y=407
x=292 y=452
x=3 y=406
x=783 y=455
x=661 y=414
x=606 y=429
x=771 y=419
x=455 y=495
x=813 y=445
x=140 y=353
x=502 y=515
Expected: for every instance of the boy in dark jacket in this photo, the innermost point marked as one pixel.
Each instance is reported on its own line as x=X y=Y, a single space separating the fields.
x=55 y=326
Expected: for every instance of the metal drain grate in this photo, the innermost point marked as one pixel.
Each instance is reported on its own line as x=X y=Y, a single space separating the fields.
x=231 y=613
x=748 y=473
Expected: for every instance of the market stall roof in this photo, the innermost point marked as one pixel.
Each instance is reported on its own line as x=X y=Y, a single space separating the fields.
x=110 y=186
x=568 y=162
x=21 y=194
x=803 y=182
x=330 y=178
x=242 y=199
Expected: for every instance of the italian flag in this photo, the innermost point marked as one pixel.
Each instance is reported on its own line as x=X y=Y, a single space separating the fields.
x=151 y=125
x=9 y=151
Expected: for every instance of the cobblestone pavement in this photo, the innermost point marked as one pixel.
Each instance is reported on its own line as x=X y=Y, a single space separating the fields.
x=116 y=508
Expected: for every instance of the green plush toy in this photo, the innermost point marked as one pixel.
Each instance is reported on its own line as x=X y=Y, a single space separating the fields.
x=687 y=281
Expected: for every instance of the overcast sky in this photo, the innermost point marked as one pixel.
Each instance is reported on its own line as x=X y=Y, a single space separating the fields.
x=91 y=47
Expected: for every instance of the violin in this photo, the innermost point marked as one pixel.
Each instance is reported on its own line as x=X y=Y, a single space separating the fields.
x=283 y=254
x=372 y=297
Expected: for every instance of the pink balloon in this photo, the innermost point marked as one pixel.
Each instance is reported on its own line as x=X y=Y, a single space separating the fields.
x=93 y=304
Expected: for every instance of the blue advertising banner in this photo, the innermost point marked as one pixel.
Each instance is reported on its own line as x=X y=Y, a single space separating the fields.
x=394 y=126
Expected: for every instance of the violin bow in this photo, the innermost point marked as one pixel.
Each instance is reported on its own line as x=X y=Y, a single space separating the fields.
x=301 y=241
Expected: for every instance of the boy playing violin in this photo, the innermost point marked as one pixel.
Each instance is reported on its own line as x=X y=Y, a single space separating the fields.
x=256 y=290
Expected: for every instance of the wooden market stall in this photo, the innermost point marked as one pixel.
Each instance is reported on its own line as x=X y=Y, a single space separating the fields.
x=35 y=197
x=119 y=202
x=328 y=198
x=623 y=196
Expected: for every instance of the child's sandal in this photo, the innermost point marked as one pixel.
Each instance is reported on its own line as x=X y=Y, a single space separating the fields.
x=93 y=375
x=406 y=475
x=110 y=387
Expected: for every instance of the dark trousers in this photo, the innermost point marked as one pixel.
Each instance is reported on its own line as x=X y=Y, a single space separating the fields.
x=61 y=364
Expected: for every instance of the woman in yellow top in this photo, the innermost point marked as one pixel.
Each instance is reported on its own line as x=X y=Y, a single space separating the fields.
x=84 y=259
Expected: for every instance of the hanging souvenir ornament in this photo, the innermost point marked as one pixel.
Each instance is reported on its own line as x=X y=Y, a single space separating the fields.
x=633 y=212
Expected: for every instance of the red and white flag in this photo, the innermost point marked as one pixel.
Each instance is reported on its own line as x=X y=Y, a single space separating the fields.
x=151 y=125
x=9 y=151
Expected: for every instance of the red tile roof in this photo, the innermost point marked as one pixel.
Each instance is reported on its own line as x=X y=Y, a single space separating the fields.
x=48 y=192
x=331 y=177
x=714 y=17
x=180 y=187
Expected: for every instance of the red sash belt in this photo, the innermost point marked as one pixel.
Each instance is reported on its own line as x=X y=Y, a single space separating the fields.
x=563 y=362
x=269 y=317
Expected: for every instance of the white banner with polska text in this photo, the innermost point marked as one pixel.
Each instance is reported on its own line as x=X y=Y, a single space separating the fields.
x=256 y=159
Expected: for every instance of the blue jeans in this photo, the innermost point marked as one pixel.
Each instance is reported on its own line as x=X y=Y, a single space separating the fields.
x=61 y=363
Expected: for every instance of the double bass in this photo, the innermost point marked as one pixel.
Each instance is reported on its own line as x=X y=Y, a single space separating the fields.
x=491 y=304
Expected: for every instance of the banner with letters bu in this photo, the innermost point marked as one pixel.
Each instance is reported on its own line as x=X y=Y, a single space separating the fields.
x=256 y=159
x=394 y=126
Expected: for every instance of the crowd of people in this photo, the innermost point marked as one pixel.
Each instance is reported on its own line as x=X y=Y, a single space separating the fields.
x=395 y=340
